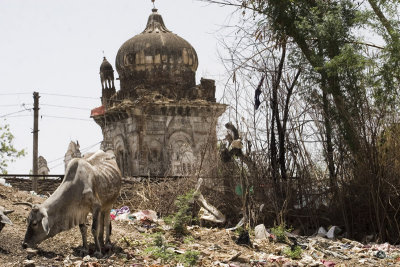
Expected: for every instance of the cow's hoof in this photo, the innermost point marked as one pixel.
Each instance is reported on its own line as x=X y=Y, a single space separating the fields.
x=108 y=246
x=98 y=255
x=83 y=252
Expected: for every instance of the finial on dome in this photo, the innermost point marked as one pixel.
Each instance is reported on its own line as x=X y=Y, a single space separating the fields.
x=155 y=23
x=154 y=7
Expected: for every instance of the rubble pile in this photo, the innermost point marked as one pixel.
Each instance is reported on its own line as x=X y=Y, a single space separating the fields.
x=141 y=238
x=326 y=251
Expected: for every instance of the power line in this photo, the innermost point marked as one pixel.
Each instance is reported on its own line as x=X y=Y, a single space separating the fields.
x=61 y=117
x=7 y=94
x=83 y=149
x=75 y=96
x=13 y=105
x=19 y=116
x=57 y=106
x=56 y=165
x=5 y=115
x=89 y=147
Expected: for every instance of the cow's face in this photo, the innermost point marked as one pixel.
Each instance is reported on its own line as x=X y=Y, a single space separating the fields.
x=38 y=227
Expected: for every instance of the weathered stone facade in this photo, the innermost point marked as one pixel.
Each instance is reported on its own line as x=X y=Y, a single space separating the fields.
x=72 y=152
x=43 y=169
x=160 y=122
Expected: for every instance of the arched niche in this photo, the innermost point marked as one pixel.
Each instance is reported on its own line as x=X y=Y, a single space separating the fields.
x=121 y=154
x=181 y=156
x=155 y=151
x=133 y=146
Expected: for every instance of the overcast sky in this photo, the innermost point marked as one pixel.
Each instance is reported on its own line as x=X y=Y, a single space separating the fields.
x=55 y=48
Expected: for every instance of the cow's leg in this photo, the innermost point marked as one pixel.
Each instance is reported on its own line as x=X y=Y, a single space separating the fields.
x=96 y=230
x=101 y=229
x=83 y=229
x=107 y=223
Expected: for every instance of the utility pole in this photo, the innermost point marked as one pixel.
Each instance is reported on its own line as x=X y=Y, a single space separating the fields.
x=35 y=139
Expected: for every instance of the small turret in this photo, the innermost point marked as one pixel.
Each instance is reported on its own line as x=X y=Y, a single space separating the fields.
x=107 y=81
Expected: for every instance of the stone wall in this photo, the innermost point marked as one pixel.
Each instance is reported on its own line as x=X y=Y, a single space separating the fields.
x=45 y=186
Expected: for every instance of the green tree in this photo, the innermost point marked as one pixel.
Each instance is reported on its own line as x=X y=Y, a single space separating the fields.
x=8 y=153
x=352 y=84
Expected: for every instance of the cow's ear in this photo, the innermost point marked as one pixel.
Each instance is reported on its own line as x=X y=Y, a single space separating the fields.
x=4 y=219
x=45 y=224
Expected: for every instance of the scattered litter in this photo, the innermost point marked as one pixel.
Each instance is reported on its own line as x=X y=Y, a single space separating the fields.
x=309 y=261
x=380 y=254
x=207 y=211
x=322 y=232
x=33 y=193
x=121 y=214
x=122 y=210
x=328 y=263
x=144 y=215
x=261 y=232
x=3 y=182
x=214 y=247
x=333 y=232
x=240 y=224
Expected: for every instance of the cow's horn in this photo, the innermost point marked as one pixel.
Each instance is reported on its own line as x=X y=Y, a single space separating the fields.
x=23 y=203
x=8 y=212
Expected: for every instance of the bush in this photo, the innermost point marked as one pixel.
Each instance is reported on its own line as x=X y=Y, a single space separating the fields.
x=189 y=258
x=160 y=253
x=180 y=219
x=159 y=249
x=280 y=232
x=164 y=251
x=293 y=252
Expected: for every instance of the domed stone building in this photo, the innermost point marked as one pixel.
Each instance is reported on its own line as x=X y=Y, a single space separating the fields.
x=159 y=122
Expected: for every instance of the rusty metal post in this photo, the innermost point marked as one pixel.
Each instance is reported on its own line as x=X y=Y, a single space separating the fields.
x=35 y=140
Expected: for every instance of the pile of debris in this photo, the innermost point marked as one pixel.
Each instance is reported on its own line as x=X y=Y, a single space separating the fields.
x=322 y=249
x=141 y=238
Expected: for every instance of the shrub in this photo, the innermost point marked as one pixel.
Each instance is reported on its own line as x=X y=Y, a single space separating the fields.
x=189 y=258
x=293 y=252
x=180 y=219
x=164 y=251
x=159 y=249
x=160 y=253
x=280 y=232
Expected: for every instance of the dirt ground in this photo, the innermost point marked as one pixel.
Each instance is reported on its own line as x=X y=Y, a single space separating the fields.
x=131 y=244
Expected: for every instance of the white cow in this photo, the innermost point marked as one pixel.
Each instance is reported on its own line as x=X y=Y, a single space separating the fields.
x=91 y=184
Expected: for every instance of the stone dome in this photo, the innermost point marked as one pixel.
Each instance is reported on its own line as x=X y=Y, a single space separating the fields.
x=157 y=60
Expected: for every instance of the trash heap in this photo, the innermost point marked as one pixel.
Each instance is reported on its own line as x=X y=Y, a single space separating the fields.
x=140 y=238
x=236 y=247
x=325 y=248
